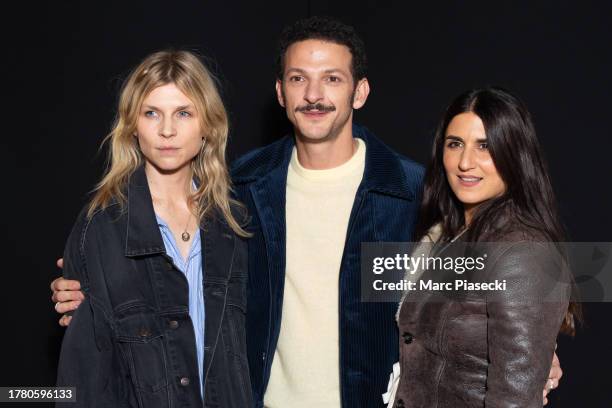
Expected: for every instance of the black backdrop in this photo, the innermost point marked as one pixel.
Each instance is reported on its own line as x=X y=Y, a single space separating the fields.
x=66 y=61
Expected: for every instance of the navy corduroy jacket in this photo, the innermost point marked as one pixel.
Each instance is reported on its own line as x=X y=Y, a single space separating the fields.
x=385 y=209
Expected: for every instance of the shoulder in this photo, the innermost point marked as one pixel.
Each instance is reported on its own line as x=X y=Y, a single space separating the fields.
x=412 y=169
x=513 y=242
x=79 y=239
x=87 y=222
x=516 y=232
x=532 y=265
x=377 y=150
x=261 y=161
x=387 y=170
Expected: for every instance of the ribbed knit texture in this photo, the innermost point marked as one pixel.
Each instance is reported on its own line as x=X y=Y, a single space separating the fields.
x=305 y=368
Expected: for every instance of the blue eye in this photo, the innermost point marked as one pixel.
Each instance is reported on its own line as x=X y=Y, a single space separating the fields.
x=184 y=114
x=150 y=114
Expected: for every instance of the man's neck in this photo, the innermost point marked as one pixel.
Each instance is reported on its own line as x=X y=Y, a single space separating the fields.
x=327 y=154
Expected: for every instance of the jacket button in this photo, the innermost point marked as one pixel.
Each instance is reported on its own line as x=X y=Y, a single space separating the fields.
x=144 y=332
x=173 y=324
x=185 y=381
x=407 y=337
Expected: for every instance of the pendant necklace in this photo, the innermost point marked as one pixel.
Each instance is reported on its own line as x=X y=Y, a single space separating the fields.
x=185 y=236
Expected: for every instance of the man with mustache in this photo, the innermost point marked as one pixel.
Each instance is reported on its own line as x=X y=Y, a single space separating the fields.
x=314 y=197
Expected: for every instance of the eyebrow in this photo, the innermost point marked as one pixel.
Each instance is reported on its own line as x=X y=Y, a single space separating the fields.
x=178 y=108
x=335 y=70
x=327 y=71
x=301 y=71
x=451 y=137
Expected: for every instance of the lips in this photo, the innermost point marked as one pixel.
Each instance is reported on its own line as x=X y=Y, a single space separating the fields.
x=469 y=181
x=315 y=113
x=315 y=110
x=168 y=150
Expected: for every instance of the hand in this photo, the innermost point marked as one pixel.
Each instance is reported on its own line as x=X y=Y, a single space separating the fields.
x=67 y=296
x=553 y=377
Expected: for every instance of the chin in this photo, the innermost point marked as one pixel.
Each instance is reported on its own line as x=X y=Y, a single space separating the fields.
x=471 y=200
x=318 y=133
x=313 y=134
x=168 y=168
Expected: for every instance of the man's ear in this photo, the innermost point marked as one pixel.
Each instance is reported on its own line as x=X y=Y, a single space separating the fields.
x=279 y=93
x=362 y=90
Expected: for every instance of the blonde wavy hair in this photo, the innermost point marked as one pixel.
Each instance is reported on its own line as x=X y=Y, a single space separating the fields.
x=209 y=168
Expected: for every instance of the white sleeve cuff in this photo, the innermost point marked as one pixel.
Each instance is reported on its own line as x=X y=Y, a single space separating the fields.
x=389 y=396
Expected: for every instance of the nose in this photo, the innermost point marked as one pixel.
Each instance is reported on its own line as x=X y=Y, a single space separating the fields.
x=167 y=128
x=467 y=160
x=314 y=92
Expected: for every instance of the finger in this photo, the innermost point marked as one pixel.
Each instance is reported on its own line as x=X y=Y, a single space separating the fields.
x=67 y=295
x=65 y=320
x=65 y=284
x=54 y=283
x=556 y=361
x=60 y=263
x=65 y=307
x=545 y=401
x=553 y=384
x=555 y=369
x=57 y=283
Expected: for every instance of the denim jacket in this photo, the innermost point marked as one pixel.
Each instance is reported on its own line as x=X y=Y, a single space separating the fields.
x=131 y=342
x=385 y=209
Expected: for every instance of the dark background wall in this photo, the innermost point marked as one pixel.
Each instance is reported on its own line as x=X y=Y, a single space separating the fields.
x=67 y=59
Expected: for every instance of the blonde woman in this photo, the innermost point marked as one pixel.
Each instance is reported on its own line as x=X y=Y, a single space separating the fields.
x=160 y=253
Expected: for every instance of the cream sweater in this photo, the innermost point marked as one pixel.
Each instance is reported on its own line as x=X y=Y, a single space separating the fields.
x=305 y=369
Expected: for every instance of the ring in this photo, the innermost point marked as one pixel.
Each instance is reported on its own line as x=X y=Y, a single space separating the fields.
x=552 y=385
x=56 y=305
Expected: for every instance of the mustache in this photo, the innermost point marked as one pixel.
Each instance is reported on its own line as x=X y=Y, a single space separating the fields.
x=315 y=106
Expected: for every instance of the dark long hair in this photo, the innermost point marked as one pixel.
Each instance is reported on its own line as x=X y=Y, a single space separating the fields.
x=529 y=199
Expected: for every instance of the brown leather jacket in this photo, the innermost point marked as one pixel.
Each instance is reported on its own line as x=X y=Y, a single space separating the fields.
x=487 y=348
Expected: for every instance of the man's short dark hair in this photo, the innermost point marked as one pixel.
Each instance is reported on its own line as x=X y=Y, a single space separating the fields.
x=326 y=29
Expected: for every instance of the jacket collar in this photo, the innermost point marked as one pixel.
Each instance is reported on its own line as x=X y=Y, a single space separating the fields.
x=383 y=172
x=142 y=235
x=259 y=163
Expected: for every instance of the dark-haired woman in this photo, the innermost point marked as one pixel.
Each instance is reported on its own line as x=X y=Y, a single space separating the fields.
x=486 y=183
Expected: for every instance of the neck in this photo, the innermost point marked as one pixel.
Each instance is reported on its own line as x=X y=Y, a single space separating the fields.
x=468 y=213
x=327 y=153
x=169 y=188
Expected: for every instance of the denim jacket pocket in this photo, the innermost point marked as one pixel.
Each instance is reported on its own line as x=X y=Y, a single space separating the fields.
x=139 y=334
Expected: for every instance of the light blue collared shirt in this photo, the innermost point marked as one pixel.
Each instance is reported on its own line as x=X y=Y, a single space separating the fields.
x=192 y=269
